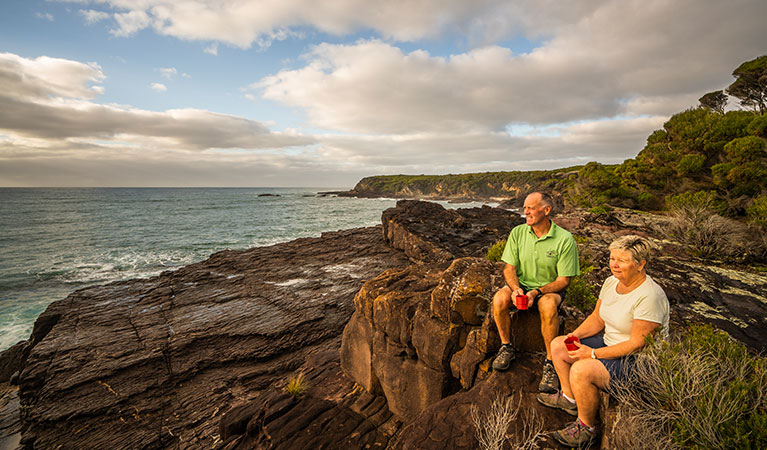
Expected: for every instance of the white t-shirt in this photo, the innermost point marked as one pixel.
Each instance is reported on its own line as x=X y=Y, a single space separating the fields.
x=646 y=302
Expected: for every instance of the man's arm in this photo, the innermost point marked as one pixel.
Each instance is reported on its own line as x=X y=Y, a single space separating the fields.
x=510 y=275
x=559 y=284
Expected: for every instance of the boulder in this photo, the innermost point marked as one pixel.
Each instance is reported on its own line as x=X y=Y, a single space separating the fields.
x=357 y=353
x=408 y=384
x=465 y=291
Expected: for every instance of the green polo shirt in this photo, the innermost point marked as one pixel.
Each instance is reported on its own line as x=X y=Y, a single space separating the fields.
x=539 y=261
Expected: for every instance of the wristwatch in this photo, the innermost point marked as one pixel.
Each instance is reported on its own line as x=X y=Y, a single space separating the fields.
x=593 y=355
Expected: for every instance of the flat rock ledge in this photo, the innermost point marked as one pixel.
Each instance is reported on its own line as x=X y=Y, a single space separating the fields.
x=388 y=327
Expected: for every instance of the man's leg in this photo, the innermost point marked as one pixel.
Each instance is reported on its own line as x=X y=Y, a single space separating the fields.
x=548 y=305
x=501 y=305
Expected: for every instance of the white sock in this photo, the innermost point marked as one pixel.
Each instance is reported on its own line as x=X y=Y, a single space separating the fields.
x=571 y=400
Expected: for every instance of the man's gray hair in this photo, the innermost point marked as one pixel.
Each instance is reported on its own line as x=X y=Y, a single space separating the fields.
x=546 y=199
x=639 y=247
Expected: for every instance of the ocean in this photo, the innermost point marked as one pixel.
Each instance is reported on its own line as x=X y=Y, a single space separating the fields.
x=54 y=241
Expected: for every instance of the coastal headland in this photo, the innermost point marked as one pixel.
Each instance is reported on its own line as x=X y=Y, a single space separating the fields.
x=387 y=327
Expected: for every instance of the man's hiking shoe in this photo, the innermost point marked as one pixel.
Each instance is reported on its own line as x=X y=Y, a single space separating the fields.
x=504 y=358
x=576 y=435
x=557 y=401
x=549 y=381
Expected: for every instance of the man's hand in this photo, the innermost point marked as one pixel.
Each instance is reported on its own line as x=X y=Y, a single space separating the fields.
x=532 y=295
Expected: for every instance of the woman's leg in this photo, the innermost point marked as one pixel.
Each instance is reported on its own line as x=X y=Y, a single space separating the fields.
x=562 y=363
x=587 y=377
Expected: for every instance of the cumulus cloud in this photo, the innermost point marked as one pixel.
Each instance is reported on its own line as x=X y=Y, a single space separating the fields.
x=159 y=87
x=168 y=72
x=92 y=16
x=131 y=22
x=604 y=64
x=49 y=98
x=211 y=49
x=45 y=16
x=243 y=23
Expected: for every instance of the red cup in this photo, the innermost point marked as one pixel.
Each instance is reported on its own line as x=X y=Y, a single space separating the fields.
x=570 y=343
x=521 y=301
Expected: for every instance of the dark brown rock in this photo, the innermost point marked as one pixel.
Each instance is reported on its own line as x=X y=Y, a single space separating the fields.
x=431 y=234
x=154 y=363
x=447 y=424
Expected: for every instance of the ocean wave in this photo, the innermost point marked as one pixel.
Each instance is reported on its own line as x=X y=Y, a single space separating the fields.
x=108 y=267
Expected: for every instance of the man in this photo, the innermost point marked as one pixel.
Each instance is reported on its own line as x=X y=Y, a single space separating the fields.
x=540 y=259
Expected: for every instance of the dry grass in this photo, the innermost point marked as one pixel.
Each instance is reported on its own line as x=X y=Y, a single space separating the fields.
x=492 y=425
x=706 y=233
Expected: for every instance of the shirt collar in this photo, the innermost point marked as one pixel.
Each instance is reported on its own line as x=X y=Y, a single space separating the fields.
x=551 y=233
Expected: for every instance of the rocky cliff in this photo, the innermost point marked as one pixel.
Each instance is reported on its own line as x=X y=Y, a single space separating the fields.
x=389 y=327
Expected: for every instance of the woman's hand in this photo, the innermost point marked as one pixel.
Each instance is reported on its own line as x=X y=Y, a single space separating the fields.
x=582 y=352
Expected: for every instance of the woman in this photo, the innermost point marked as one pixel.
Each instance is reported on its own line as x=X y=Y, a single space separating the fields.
x=631 y=306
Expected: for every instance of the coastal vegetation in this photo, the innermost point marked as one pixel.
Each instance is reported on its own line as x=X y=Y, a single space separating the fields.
x=700 y=390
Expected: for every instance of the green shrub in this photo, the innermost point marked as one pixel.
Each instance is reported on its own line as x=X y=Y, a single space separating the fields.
x=496 y=251
x=296 y=386
x=690 y=165
x=757 y=212
x=758 y=126
x=700 y=391
x=601 y=209
x=580 y=293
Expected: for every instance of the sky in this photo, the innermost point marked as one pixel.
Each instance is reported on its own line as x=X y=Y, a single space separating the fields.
x=298 y=93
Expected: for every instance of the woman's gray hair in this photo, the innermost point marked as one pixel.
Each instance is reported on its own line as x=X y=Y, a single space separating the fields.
x=639 y=247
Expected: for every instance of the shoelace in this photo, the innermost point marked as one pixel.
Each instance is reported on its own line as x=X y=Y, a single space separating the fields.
x=575 y=429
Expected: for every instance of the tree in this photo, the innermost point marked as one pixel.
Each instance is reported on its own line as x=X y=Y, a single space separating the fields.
x=715 y=101
x=750 y=84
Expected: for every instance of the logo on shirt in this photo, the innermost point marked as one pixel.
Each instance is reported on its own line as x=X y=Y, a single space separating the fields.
x=551 y=254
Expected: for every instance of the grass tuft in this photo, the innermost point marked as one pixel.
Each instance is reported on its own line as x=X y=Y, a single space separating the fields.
x=296 y=386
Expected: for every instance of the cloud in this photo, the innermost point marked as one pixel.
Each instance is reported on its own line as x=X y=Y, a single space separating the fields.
x=50 y=99
x=159 y=87
x=131 y=22
x=243 y=23
x=92 y=16
x=45 y=16
x=46 y=77
x=168 y=72
x=604 y=64
x=211 y=49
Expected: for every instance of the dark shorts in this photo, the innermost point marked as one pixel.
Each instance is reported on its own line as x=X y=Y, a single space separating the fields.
x=561 y=293
x=620 y=368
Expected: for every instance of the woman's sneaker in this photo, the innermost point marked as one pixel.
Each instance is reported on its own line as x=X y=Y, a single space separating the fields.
x=577 y=434
x=558 y=401
x=504 y=358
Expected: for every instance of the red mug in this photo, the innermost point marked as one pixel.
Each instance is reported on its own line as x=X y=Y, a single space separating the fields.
x=570 y=343
x=522 y=301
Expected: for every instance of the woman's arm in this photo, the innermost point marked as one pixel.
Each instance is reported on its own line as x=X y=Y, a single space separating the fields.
x=639 y=330
x=592 y=325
